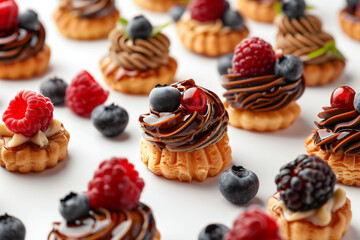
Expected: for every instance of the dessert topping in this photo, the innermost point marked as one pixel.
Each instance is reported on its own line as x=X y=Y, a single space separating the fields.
x=213 y=232
x=9 y=17
x=29 y=20
x=343 y=97
x=233 y=19
x=206 y=10
x=290 y=67
x=164 y=98
x=293 y=8
x=225 y=63
x=194 y=100
x=11 y=228
x=139 y=27
x=74 y=206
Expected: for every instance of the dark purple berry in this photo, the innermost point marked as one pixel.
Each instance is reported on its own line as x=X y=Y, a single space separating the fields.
x=139 y=27
x=164 y=98
x=290 y=67
x=352 y=4
x=238 y=185
x=29 y=20
x=233 y=19
x=55 y=89
x=357 y=102
x=213 y=232
x=74 y=206
x=293 y=8
x=176 y=12
x=11 y=228
x=225 y=62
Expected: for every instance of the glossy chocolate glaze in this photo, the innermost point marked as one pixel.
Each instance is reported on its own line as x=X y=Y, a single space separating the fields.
x=89 y=8
x=102 y=224
x=351 y=15
x=180 y=131
x=261 y=94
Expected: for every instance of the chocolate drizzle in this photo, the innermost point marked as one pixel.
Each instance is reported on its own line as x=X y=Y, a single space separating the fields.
x=338 y=131
x=89 y=8
x=261 y=94
x=181 y=131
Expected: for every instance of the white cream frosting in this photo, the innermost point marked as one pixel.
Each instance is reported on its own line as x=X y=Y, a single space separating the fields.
x=215 y=26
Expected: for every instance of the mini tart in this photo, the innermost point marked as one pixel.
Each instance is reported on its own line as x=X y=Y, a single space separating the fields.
x=189 y=165
x=323 y=73
x=263 y=121
x=79 y=28
x=136 y=81
x=256 y=10
x=305 y=230
x=346 y=168
x=350 y=24
x=27 y=68
x=29 y=157
x=158 y=5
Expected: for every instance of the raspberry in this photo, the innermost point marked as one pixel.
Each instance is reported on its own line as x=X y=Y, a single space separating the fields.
x=207 y=10
x=84 y=94
x=253 y=57
x=9 y=15
x=254 y=224
x=116 y=184
x=28 y=113
x=305 y=183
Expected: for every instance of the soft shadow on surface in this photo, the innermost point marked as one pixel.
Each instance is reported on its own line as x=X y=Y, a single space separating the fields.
x=254 y=201
x=121 y=138
x=351 y=234
x=299 y=129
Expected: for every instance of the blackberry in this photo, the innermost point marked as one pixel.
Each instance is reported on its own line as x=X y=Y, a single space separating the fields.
x=305 y=183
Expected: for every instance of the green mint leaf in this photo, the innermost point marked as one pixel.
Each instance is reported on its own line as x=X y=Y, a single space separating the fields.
x=156 y=30
x=123 y=23
x=277 y=7
x=328 y=47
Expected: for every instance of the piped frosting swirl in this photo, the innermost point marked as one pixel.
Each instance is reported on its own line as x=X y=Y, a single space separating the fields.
x=89 y=8
x=211 y=27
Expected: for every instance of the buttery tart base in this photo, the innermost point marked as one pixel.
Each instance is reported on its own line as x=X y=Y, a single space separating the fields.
x=134 y=81
x=324 y=73
x=256 y=10
x=349 y=25
x=210 y=44
x=263 y=121
x=29 y=157
x=187 y=166
x=346 y=168
x=78 y=28
x=27 y=68
x=158 y=5
x=305 y=230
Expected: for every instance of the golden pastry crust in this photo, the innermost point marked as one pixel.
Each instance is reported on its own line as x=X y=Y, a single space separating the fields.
x=324 y=73
x=305 y=230
x=263 y=121
x=84 y=28
x=210 y=44
x=187 y=166
x=158 y=5
x=27 y=68
x=157 y=236
x=31 y=158
x=351 y=28
x=141 y=83
x=256 y=10
x=346 y=168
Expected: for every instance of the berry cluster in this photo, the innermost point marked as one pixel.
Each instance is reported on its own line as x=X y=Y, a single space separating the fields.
x=345 y=97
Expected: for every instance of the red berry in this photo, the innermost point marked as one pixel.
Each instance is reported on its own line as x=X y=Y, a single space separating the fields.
x=194 y=99
x=84 y=94
x=207 y=10
x=343 y=97
x=253 y=57
x=28 y=113
x=116 y=184
x=9 y=15
x=254 y=224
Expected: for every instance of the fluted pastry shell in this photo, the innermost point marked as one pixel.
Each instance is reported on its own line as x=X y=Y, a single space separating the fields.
x=346 y=168
x=141 y=83
x=305 y=230
x=79 y=28
x=187 y=166
x=263 y=121
x=323 y=73
x=27 y=68
x=210 y=44
x=158 y=5
x=157 y=236
x=351 y=28
x=27 y=158
x=256 y=10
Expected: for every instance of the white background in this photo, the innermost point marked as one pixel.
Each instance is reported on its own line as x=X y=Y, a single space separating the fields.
x=181 y=209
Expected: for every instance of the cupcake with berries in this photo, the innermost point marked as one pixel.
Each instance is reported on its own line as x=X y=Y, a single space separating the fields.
x=261 y=90
x=301 y=34
x=210 y=27
x=349 y=19
x=23 y=52
x=336 y=140
x=258 y=10
x=86 y=19
x=110 y=209
x=138 y=58
x=307 y=205
x=31 y=140
x=185 y=133
x=160 y=5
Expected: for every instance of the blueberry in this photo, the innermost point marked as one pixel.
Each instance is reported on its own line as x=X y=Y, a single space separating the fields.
x=238 y=185
x=11 y=228
x=176 y=12
x=74 y=206
x=164 y=98
x=225 y=62
x=139 y=27
x=55 y=89
x=352 y=4
x=29 y=20
x=233 y=19
x=227 y=5
x=110 y=120
x=213 y=232
x=357 y=102
x=293 y=8
x=290 y=67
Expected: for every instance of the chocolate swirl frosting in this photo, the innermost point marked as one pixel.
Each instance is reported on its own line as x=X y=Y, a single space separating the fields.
x=139 y=54
x=261 y=94
x=180 y=131
x=338 y=131
x=21 y=44
x=102 y=224
x=89 y=8
x=302 y=36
